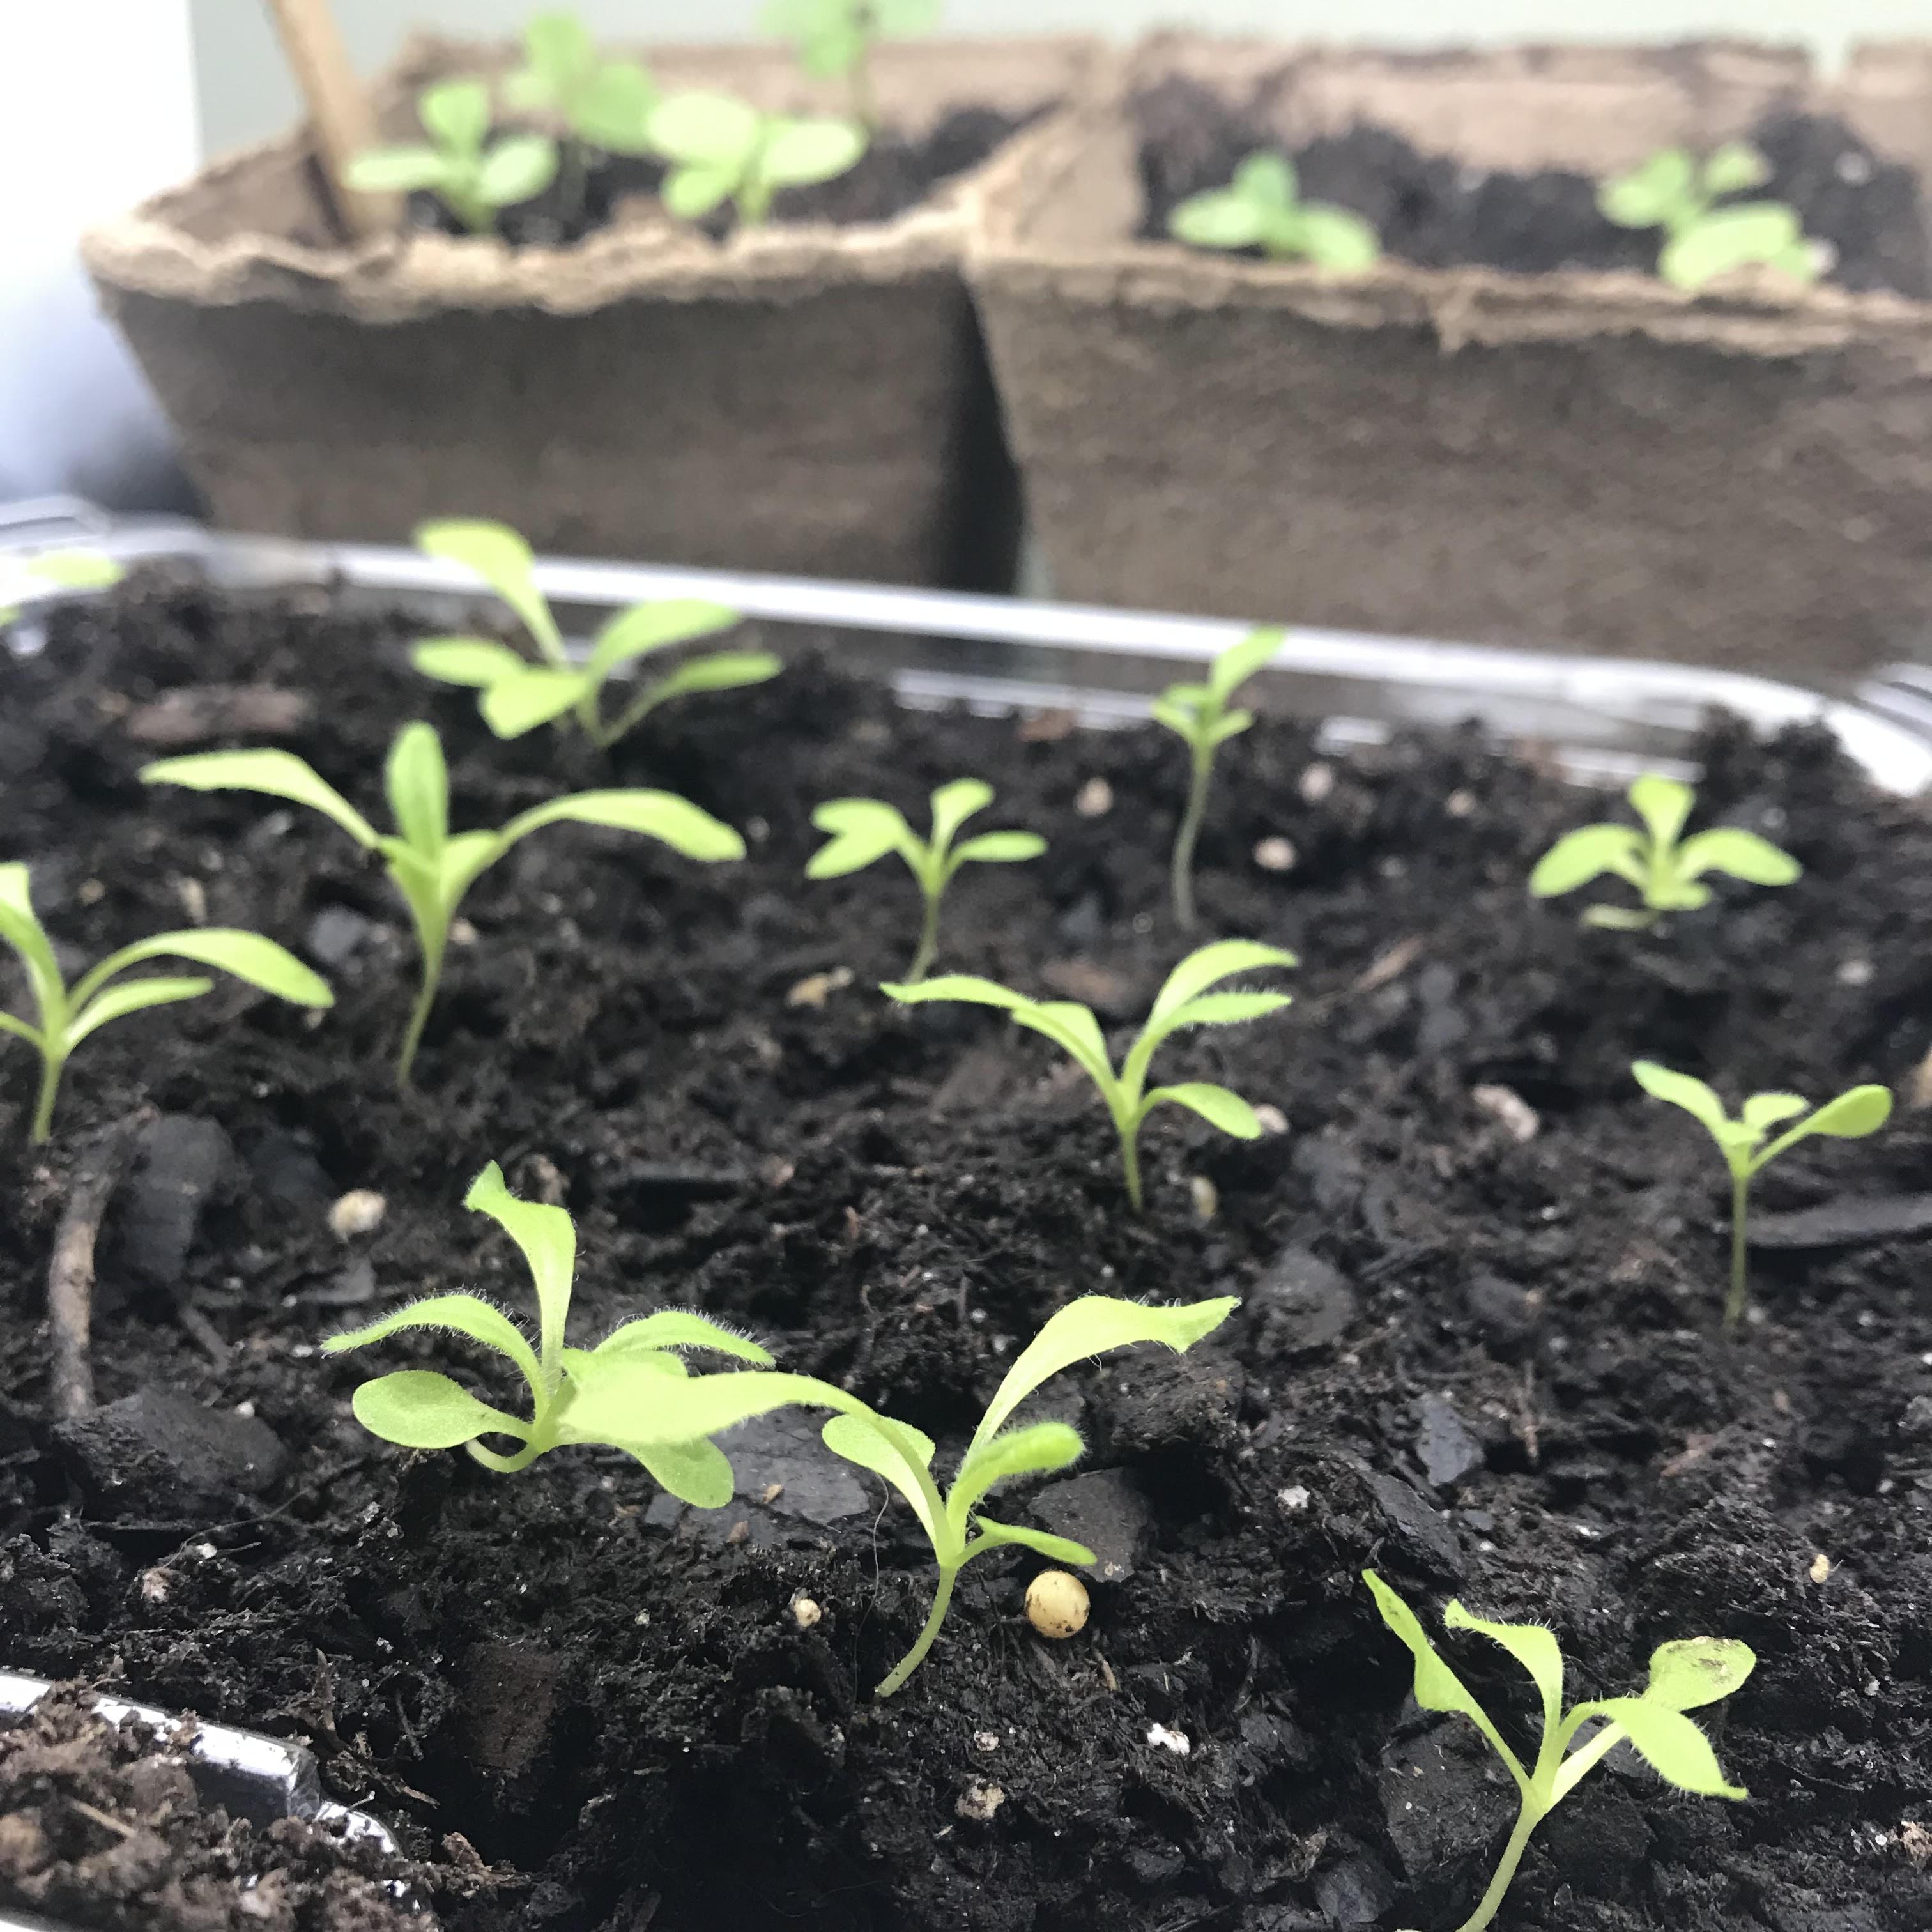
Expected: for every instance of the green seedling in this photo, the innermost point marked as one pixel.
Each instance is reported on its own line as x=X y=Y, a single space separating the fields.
x=864 y=830
x=1664 y=871
x=53 y=570
x=1262 y=207
x=1198 y=714
x=699 y=1409
x=605 y=104
x=472 y=175
x=67 y=1015
x=515 y=696
x=431 y=866
x=837 y=37
x=419 y=1409
x=1674 y=192
x=1183 y=1001
x=1684 y=1676
x=1743 y=1142
x=722 y=149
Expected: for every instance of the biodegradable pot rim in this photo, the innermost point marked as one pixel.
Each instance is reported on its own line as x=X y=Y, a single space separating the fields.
x=1757 y=314
x=406 y=276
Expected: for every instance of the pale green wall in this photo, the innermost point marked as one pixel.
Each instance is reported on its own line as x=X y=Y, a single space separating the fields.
x=246 y=94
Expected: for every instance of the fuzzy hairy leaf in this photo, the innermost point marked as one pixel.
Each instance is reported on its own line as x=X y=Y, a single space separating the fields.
x=679 y=1328
x=466 y=1315
x=547 y=1237
x=1671 y=1744
x=421 y=1409
x=1532 y=1646
x=698 y=1473
x=860 y=1441
x=1437 y=1687
x=1697 y=1670
x=1215 y=1105
x=992 y=1535
x=1210 y=964
x=1033 y=1450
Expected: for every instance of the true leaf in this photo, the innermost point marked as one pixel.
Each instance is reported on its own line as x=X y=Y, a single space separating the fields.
x=1239 y=662
x=459 y=1314
x=531 y=695
x=420 y=1409
x=1698 y=1670
x=547 y=1237
x=1215 y=1105
x=1671 y=1745
x=1578 y=857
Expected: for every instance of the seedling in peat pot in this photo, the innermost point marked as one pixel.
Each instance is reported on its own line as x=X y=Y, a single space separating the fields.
x=473 y=180
x=1674 y=192
x=515 y=696
x=1665 y=872
x=1197 y=714
x=864 y=830
x=1683 y=1676
x=431 y=866
x=68 y=1015
x=1852 y=1115
x=53 y=570
x=1262 y=207
x=699 y=1409
x=420 y=1409
x=836 y=37
x=1183 y=1001
x=605 y=103
x=723 y=149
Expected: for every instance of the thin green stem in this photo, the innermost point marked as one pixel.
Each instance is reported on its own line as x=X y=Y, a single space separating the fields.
x=419 y=1015
x=942 y=1598
x=51 y=1065
x=928 y=941
x=1130 y=1163
x=865 y=101
x=1184 y=839
x=1491 y=1902
x=1734 y=1303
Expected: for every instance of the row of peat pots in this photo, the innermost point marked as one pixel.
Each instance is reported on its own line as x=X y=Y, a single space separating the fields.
x=1507 y=429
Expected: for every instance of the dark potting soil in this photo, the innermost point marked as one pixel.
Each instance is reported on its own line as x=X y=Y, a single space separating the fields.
x=896 y=172
x=1477 y=1348
x=1433 y=210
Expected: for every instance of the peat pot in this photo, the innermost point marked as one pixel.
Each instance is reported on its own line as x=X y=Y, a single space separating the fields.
x=812 y=396
x=1473 y=439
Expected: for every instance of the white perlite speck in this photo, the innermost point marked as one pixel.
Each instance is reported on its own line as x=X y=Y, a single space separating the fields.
x=1162 y=1738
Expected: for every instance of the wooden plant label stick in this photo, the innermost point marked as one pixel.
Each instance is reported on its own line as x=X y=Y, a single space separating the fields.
x=338 y=110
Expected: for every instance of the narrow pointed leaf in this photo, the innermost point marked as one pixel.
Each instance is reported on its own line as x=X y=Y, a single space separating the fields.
x=1093 y=1325
x=1072 y=1026
x=277 y=774
x=475 y=662
x=1742 y=855
x=1671 y=1745
x=717 y=671
x=1682 y=1090
x=132 y=996
x=645 y=627
x=1437 y=1687
x=1697 y=1670
x=420 y=1409
x=687 y=829
x=1239 y=662
x=852 y=851
x=20 y=927
x=964 y=986
x=998 y=848
x=1202 y=968
x=531 y=695
x=417 y=782
x=1532 y=1646
x=1663 y=805
x=500 y=555
x=248 y=955
x=548 y=1241
x=953 y=804
x=1578 y=857
x=859 y=1440
x=1034 y=1450
x=991 y=1535
x=467 y=1315
x=1215 y=1105
x=1184 y=720
x=679 y=1328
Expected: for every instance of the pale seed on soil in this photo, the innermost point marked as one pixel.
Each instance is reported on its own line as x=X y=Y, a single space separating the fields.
x=1275 y=855
x=1094 y=799
x=360 y=1211
x=806 y=1613
x=1056 y=1604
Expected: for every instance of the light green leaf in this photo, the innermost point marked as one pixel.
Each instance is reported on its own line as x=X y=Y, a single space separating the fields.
x=992 y=1535
x=1743 y=855
x=999 y=848
x=420 y=1409
x=1578 y=857
x=645 y=627
x=1203 y=967
x=1532 y=1646
x=20 y=927
x=74 y=569
x=612 y=110
x=1682 y=1090
x=1852 y=1116
x=1651 y=195
x=687 y=829
x=1231 y=725
x=504 y=562
x=712 y=131
x=1031 y=1451
x=1093 y=1325
x=1337 y=239
x=717 y=671
x=1267 y=179
x=278 y=774
x=691 y=192
x=1663 y=805
x=1621 y=919
x=396 y=170
x=1697 y=1670
x=417 y=782
x=531 y=695
x=864 y=830
x=1225 y=1010
x=1073 y=1026
x=456 y=112
x=1239 y=662
x=516 y=168
x=859 y=1439
x=953 y=804
x=679 y=1328
x=559 y=46
x=1727 y=239
x=459 y=1314
x=1437 y=1687
x=475 y=663
x=1766 y=1110
x=132 y=996
x=248 y=955
x=1735 y=169
x=1671 y=1744
x=548 y=1240
x=965 y=986
x=434 y=896
x=699 y=1473
x=1215 y=1105
x=20 y=1030
x=1219 y=219
x=798 y=152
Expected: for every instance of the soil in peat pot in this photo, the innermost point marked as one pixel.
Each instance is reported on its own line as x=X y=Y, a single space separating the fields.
x=1439 y=213
x=1477 y=1347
